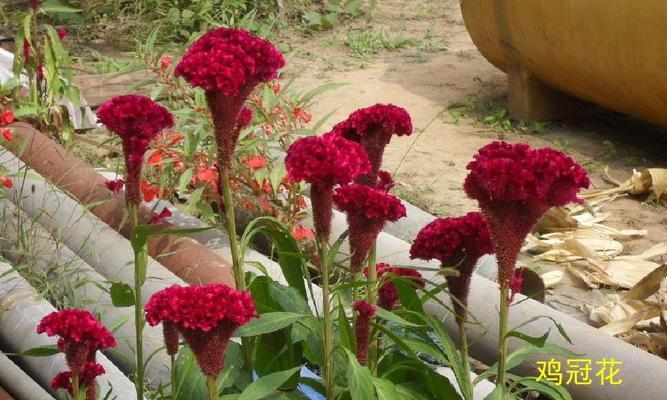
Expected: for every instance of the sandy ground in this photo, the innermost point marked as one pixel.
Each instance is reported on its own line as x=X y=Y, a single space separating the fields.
x=430 y=164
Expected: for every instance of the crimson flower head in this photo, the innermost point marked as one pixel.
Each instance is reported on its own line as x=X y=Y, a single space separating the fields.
x=81 y=335
x=205 y=315
x=86 y=377
x=34 y=4
x=387 y=294
x=362 y=328
x=137 y=120
x=368 y=210
x=455 y=242
x=62 y=33
x=373 y=127
x=515 y=185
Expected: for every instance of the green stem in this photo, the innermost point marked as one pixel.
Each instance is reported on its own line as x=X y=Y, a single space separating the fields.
x=466 y=385
x=76 y=391
x=371 y=296
x=327 y=326
x=502 y=341
x=237 y=264
x=174 y=380
x=212 y=383
x=140 y=265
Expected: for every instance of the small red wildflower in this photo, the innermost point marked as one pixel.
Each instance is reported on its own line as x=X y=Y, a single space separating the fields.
x=151 y=192
x=87 y=377
x=115 y=185
x=165 y=62
x=302 y=233
x=27 y=49
x=205 y=315
x=40 y=72
x=6 y=117
x=257 y=161
x=7 y=134
x=362 y=328
x=7 y=182
x=159 y=218
x=514 y=186
x=455 y=242
x=205 y=173
x=137 y=120
x=373 y=127
x=387 y=294
x=368 y=210
x=62 y=33
x=81 y=335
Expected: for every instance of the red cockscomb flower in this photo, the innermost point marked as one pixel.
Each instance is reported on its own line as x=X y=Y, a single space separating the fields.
x=368 y=209
x=362 y=328
x=245 y=117
x=514 y=186
x=206 y=316
x=6 y=117
x=62 y=33
x=517 y=283
x=159 y=218
x=387 y=294
x=87 y=377
x=455 y=242
x=325 y=161
x=115 y=185
x=373 y=127
x=137 y=120
x=81 y=335
x=7 y=182
x=228 y=64
x=27 y=50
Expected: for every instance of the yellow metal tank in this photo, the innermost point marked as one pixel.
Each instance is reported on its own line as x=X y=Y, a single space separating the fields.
x=609 y=52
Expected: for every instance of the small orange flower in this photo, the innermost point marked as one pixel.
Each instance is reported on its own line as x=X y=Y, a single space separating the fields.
x=165 y=62
x=257 y=162
x=302 y=233
x=205 y=173
x=151 y=192
x=156 y=157
x=7 y=134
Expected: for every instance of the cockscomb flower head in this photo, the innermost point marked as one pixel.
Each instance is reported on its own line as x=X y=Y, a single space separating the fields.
x=373 y=127
x=515 y=185
x=368 y=210
x=455 y=242
x=86 y=378
x=325 y=161
x=387 y=294
x=362 y=328
x=80 y=335
x=137 y=120
x=206 y=316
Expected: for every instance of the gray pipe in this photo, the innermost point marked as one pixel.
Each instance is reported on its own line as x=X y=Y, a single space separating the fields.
x=18 y=383
x=61 y=264
x=21 y=309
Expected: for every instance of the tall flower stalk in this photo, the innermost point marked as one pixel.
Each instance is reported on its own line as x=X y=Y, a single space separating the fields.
x=137 y=120
x=206 y=317
x=325 y=162
x=228 y=64
x=456 y=242
x=514 y=186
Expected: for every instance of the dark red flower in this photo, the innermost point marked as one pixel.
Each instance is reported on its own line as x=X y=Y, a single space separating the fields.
x=362 y=328
x=34 y=4
x=165 y=62
x=137 y=120
x=325 y=161
x=373 y=127
x=7 y=134
x=87 y=377
x=159 y=218
x=245 y=117
x=27 y=49
x=368 y=210
x=81 y=335
x=514 y=186
x=517 y=283
x=62 y=33
x=385 y=181
x=387 y=294
x=455 y=242
x=115 y=185
x=206 y=316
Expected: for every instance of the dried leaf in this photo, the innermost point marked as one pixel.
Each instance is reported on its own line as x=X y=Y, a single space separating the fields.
x=648 y=284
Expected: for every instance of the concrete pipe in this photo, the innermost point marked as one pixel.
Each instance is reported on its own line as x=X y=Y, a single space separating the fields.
x=21 y=309
x=45 y=255
x=18 y=383
x=611 y=53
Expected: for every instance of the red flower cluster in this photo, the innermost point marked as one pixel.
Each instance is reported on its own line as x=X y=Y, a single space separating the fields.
x=514 y=186
x=6 y=117
x=137 y=120
x=362 y=328
x=245 y=117
x=159 y=218
x=62 y=33
x=227 y=59
x=373 y=127
x=387 y=294
x=115 y=185
x=455 y=242
x=90 y=372
x=81 y=335
x=368 y=209
x=34 y=4
x=205 y=315
x=324 y=162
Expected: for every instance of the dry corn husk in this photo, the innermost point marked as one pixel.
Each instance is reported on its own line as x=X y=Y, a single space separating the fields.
x=652 y=181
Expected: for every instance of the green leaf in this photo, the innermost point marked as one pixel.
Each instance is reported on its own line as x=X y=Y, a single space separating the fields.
x=269 y=322
x=408 y=295
x=387 y=390
x=55 y=6
x=265 y=385
x=560 y=328
x=122 y=294
x=185 y=179
x=359 y=378
x=43 y=351
x=390 y=316
x=537 y=341
x=546 y=388
x=495 y=395
x=347 y=338
x=190 y=381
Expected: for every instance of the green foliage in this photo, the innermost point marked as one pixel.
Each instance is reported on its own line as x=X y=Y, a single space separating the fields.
x=333 y=11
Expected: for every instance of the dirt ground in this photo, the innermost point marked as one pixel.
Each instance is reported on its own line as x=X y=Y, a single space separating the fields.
x=430 y=164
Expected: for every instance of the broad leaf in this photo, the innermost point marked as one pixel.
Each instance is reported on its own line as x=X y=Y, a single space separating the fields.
x=359 y=378
x=265 y=385
x=122 y=294
x=267 y=323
